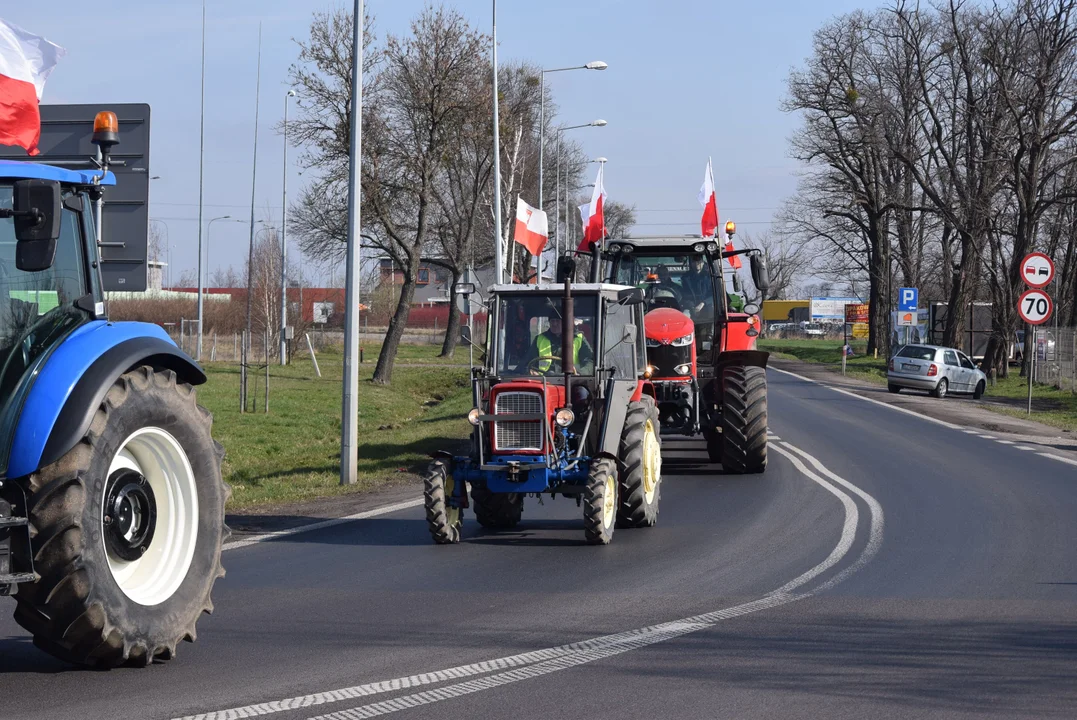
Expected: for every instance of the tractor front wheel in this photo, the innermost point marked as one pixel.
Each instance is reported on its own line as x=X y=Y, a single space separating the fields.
x=744 y=419
x=443 y=520
x=600 y=502
x=127 y=528
x=496 y=511
x=641 y=457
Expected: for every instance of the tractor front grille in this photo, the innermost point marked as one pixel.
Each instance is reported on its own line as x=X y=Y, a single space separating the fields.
x=517 y=435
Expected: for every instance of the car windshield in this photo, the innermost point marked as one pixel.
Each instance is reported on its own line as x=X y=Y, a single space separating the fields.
x=529 y=331
x=917 y=352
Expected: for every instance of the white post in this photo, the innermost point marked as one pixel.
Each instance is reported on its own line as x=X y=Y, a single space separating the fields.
x=499 y=262
x=349 y=437
x=313 y=358
x=284 y=241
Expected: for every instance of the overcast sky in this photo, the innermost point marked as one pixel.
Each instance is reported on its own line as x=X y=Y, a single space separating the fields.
x=685 y=80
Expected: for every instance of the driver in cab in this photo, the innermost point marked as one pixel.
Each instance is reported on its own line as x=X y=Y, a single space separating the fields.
x=544 y=357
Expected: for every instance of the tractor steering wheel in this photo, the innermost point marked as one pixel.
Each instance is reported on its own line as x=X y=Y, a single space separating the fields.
x=540 y=358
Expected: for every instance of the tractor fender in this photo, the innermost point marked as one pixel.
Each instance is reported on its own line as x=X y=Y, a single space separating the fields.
x=618 y=395
x=757 y=358
x=644 y=387
x=74 y=381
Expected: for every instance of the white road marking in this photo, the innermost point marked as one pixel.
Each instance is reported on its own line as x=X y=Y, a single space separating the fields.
x=384 y=510
x=1025 y=447
x=1004 y=442
x=988 y=437
x=928 y=418
x=533 y=664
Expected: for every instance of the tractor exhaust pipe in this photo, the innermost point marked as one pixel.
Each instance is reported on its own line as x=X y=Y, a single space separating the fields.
x=596 y=263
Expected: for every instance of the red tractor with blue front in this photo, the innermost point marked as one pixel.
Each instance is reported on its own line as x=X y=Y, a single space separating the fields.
x=708 y=375
x=111 y=497
x=561 y=407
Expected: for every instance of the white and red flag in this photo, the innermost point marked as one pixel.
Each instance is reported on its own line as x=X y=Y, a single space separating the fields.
x=710 y=204
x=594 y=224
x=25 y=62
x=532 y=227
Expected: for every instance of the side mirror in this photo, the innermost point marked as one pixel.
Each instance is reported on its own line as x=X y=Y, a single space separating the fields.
x=464 y=288
x=37 y=210
x=760 y=276
x=628 y=335
x=630 y=296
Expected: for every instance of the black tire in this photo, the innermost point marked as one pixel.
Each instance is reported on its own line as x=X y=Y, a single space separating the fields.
x=437 y=484
x=634 y=508
x=714 y=445
x=744 y=419
x=599 y=517
x=979 y=391
x=941 y=389
x=496 y=511
x=77 y=611
x=893 y=388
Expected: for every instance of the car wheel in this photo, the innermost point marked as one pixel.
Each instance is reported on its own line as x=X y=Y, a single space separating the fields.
x=941 y=388
x=893 y=388
x=979 y=391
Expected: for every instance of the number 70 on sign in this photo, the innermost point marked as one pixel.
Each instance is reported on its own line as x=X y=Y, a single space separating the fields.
x=1035 y=307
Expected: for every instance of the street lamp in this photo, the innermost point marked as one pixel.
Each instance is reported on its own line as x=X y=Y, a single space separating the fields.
x=557 y=203
x=593 y=65
x=208 y=226
x=284 y=240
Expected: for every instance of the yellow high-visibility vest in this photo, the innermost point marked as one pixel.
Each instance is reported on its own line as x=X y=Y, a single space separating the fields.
x=545 y=349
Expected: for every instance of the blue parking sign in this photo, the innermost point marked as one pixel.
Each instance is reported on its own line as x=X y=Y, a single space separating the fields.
x=907 y=299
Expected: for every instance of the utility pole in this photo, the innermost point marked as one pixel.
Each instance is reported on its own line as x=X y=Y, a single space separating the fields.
x=250 y=250
x=201 y=163
x=499 y=264
x=349 y=436
x=284 y=242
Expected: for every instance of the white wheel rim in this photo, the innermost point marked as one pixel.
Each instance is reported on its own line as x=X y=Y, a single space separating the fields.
x=154 y=577
x=609 y=502
x=652 y=462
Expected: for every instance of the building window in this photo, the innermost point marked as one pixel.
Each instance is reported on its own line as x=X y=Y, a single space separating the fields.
x=424 y=276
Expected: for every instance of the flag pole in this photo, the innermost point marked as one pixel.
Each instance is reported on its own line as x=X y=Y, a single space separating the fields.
x=499 y=266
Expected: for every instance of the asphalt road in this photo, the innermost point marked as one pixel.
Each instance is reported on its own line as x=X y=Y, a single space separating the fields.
x=883 y=566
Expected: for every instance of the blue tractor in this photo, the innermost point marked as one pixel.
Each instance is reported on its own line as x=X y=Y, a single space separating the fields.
x=111 y=497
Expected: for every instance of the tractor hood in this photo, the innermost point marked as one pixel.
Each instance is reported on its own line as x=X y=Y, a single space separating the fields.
x=664 y=325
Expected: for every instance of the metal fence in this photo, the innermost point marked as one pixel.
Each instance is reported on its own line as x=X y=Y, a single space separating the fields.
x=1056 y=357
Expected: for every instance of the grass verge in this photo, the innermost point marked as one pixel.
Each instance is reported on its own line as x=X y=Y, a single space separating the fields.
x=828 y=352
x=293 y=452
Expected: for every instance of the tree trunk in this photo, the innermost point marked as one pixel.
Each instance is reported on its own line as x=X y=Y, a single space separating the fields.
x=452 y=328
x=383 y=372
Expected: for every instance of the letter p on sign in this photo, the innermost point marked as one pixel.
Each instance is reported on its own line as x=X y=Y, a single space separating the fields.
x=907 y=299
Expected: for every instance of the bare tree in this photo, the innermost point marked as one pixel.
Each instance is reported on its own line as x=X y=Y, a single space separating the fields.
x=789 y=261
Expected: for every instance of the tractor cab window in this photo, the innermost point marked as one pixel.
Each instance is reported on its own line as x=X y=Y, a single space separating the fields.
x=530 y=328
x=681 y=282
x=36 y=307
x=620 y=348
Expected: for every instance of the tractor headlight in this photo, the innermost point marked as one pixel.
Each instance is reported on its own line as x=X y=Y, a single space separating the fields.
x=627 y=248
x=564 y=417
x=683 y=369
x=684 y=340
x=713 y=247
x=698 y=247
x=473 y=416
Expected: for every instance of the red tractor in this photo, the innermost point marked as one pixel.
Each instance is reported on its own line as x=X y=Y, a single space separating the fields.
x=708 y=376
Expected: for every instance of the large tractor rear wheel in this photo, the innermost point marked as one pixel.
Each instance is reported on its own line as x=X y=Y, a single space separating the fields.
x=641 y=458
x=127 y=529
x=496 y=511
x=443 y=520
x=600 y=502
x=744 y=419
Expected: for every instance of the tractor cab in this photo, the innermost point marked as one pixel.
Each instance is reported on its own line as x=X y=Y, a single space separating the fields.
x=562 y=406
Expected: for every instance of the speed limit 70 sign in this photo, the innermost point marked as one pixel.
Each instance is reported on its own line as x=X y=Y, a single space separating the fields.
x=1035 y=307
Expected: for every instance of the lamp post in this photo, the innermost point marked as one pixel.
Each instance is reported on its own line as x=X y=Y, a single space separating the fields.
x=168 y=251
x=594 y=65
x=284 y=241
x=208 y=226
x=557 y=222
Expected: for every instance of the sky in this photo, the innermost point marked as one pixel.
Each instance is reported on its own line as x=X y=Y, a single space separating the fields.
x=687 y=80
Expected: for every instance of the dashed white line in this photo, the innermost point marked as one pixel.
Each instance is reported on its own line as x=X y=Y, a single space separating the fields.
x=1004 y=442
x=533 y=664
x=1058 y=457
x=1025 y=447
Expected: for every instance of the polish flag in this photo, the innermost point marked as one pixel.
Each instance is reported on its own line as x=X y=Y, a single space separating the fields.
x=532 y=227
x=25 y=62
x=594 y=225
x=734 y=261
x=709 y=203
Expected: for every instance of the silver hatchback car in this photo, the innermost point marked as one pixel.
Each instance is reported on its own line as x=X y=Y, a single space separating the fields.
x=938 y=370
